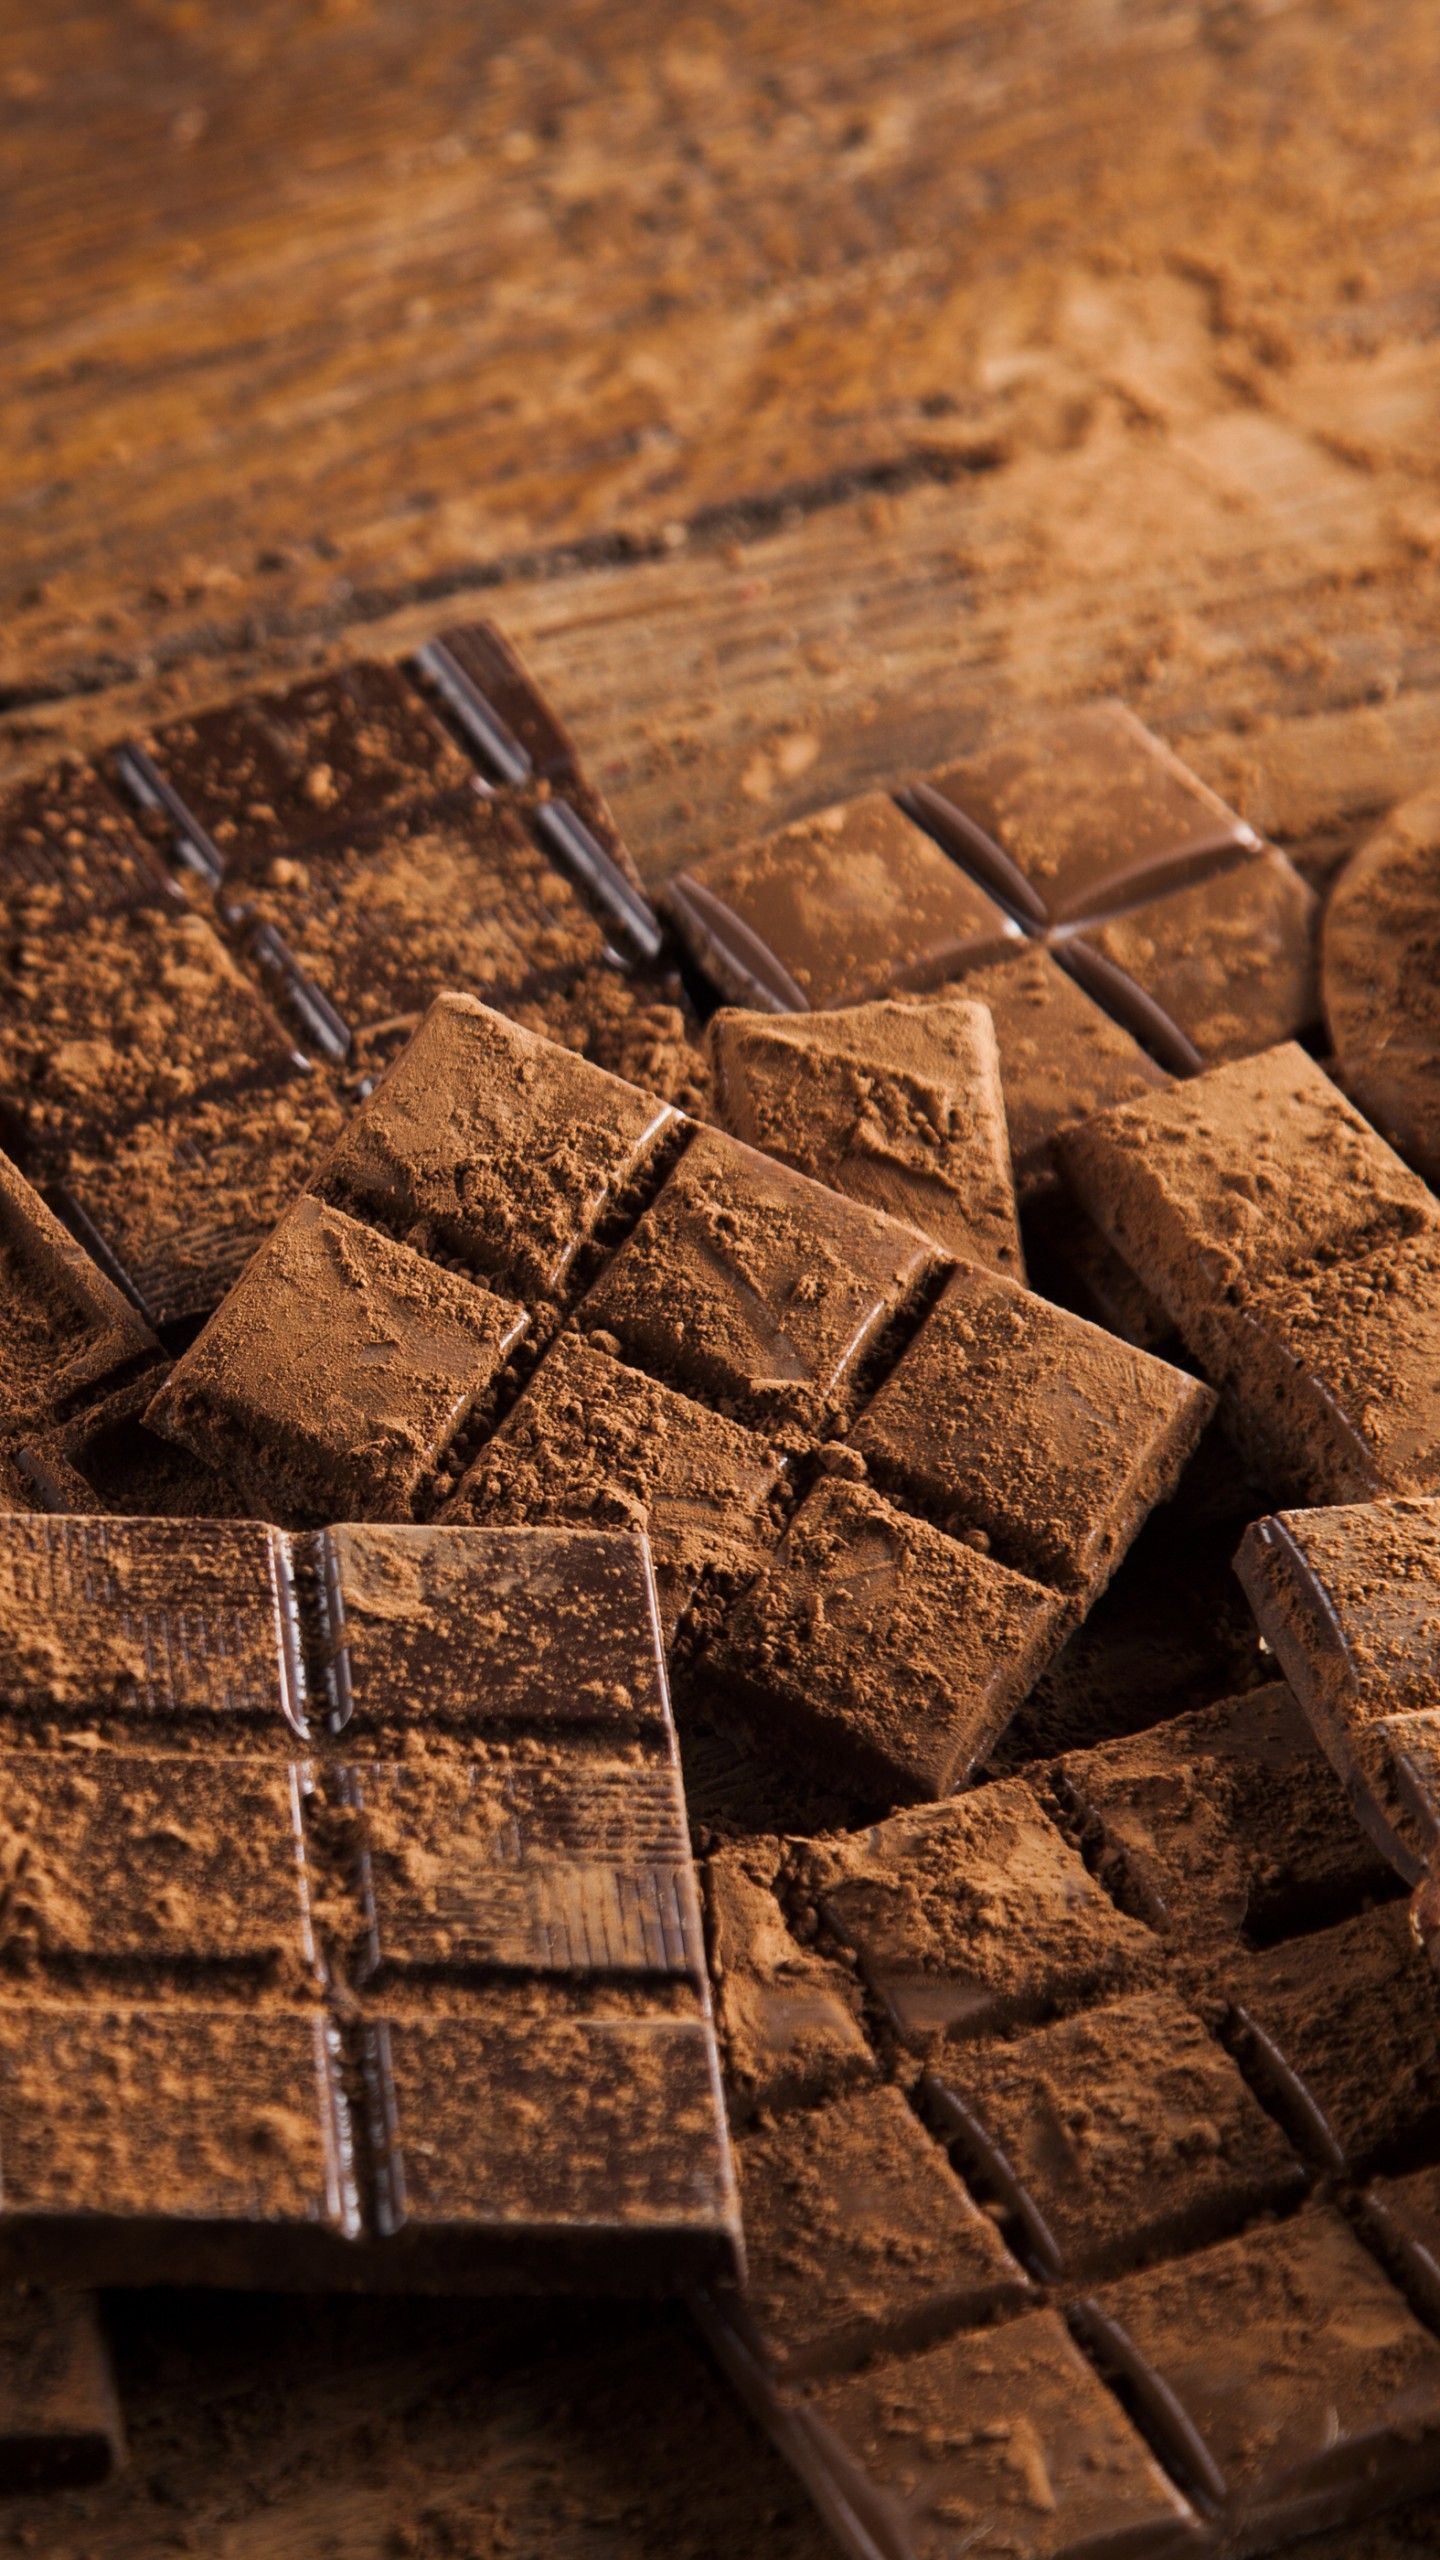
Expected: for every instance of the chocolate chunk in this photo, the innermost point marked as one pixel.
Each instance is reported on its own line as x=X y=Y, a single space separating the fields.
x=340 y=1370
x=1030 y=1432
x=445 y=2021
x=1224 y=1824
x=972 y=1916
x=373 y=923
x=60 y=2424
x=880 y=1645
x=1297 y=1257
x=1380 y=971
x=1228 y=962
x=489 y=1143
x=591 y=1440
x=1114 y=2136
x=750 y=1286
x=788 y=2016
x=898 y=1106
x=859 y=2236
x=1349 y=1602
x=1343 y=2028
x=278 y=771
x=1005 y=2443
x=842 y=906
x=1284 y=2375
x=66 y=1333
x=1083 y=813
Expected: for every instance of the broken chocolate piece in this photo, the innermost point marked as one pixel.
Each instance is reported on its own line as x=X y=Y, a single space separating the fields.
x=445 y=2023
x=1342 y=2029
x=898 y=1106
x=1380 y=970
x=1298 y=1258
x=789 y=2017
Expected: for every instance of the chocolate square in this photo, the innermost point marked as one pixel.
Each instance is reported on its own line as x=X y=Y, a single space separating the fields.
x=68 y=852
x=1230 y=960
x=281 y=770
x=974 y=1916
x=1034 y=1435
x=1062 y=1057
x=1115 y=2135
x=841 y=906
x=1005 y=2443
x=859 y=2236
x=894 y=1652
x=789 y=2017
x=1344 y=2029
x=64 y=1328
x=486 y=1142
x=1284 y=2374
x=596 y=1443
x=343 y=1363
x=750 y=1287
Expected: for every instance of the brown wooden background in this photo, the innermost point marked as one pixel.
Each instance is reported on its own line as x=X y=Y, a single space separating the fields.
x=809 y=386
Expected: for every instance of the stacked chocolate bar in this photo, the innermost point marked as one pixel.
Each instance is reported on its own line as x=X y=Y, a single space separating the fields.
x=1080 y=2051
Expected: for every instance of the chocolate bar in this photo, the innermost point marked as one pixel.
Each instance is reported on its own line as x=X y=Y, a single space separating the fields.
x=522 y=1288
x=1298 y=1259
x=1119 y=920
x=1155 y=2069
x=352 y=1939
x=194 y=993
x=1348 y=1599
x=1380 y=973
x=900 y=1106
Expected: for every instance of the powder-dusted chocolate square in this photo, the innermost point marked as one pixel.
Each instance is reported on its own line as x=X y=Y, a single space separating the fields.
x=973 y=1916
x=882 y=1647
x=489 y=1143
x=64 y=1328
x=749 y=1286
x=1062 y=1057
x=841 y=906
x=592 y=1441
x=125 y=1015
x=499 y=1859
x=1115 y=2135
x=1285 y=2375
x=1401 y=2219
x=454 y=894
x=896 y=1105
x=1344 y=2028
x=342 y=1364
x=789 y=2017
x=68 y=851
x=1336 y=1372
x=563 y=1642
x=1031 y=1432
x=278 y=770
x=859 y=2235
x=1005 y=2443
x=1079 y=814
x=1225 y=1824
x=1230 y=959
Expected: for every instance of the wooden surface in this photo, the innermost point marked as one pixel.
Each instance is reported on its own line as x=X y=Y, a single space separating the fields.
x=810 y=387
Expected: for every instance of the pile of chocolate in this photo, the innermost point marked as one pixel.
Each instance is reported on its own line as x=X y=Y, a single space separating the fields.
x=625 y=1668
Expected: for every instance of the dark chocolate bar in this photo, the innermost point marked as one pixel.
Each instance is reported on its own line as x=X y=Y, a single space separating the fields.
x=1120 y=921
x=352 y=1937
x=180 y=1037
x=898 y=1105
x=1297 y=1257
x=1141 y=2064
x=523 y=1289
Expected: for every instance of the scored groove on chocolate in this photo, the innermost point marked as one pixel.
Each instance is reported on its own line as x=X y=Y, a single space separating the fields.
x=351 y=1935
x=747 y=1341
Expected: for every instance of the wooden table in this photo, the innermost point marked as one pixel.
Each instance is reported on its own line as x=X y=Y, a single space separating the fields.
x=810 y=388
